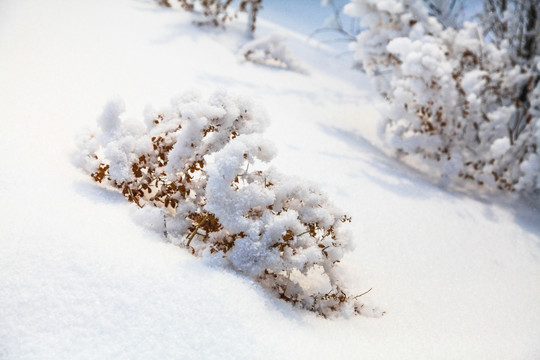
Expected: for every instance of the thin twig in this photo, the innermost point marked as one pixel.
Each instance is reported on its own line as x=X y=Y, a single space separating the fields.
x=134 y=198
x=165 y=232
x=194 y=232
x=362 y=294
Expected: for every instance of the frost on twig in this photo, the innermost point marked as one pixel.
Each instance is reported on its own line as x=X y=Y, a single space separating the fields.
x=206 y=167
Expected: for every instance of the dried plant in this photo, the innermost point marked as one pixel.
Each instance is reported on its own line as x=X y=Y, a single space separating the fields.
x=205 y=165
x=271 y=51
x=218 y=12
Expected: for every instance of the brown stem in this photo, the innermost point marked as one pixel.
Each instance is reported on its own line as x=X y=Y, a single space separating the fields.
x=194 y=232
x=362 y=294
x=134 y=198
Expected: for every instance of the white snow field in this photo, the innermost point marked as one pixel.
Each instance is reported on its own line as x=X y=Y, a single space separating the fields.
x=81 y=278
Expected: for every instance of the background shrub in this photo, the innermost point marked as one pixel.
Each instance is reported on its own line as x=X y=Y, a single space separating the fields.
x=219 y=12
x=463 y=107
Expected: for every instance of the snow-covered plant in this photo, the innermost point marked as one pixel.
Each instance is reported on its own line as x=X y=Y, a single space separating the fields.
x=205 y=166
x=387 y=20
x=215 y=12
x=271 y=51
x=457 y=104
x=219 y=12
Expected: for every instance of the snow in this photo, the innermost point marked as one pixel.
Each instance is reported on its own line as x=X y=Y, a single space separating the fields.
x=500 y=146
x=80 y=277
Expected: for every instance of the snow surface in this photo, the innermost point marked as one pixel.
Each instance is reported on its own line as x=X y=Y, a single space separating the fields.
x=80 y=278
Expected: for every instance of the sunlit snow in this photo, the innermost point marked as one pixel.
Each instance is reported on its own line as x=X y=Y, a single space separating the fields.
x=82 y=277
